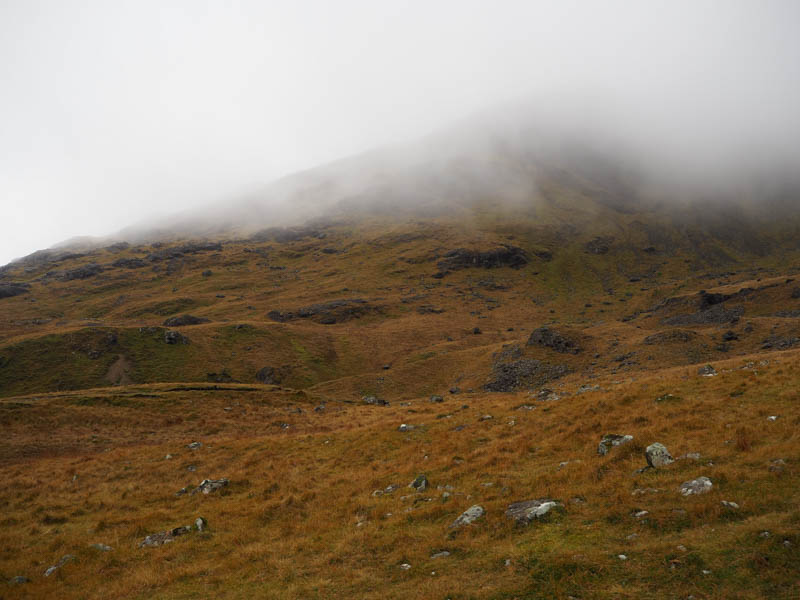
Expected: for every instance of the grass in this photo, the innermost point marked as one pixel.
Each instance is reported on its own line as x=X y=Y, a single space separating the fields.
x=83 y=462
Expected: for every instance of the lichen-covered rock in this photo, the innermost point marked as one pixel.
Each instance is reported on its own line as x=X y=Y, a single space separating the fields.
x=469 y=516
x=701 y=485
x=657 y=455
x=529 y=510
x=610 y=440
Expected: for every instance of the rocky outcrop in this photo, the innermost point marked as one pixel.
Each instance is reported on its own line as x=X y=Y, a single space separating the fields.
x=183 y=320
x=503 y=256
x=327 y=313
x=549 y=338
x=9 y=290
x=522 y=374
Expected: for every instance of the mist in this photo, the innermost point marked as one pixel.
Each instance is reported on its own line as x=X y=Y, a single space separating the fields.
x=117 y=113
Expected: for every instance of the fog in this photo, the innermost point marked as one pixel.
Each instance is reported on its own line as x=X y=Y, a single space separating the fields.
x=119 y=112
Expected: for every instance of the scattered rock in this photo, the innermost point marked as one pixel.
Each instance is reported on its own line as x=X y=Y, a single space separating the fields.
x=469 y=516
x=19 y=580
x=707 y=371
x=210 y=485
x=436 y=399
x=129 y=263
x=101 y=547
x=442 y=554
x=701 y=485
x=610 y=440
x=772 y=418
x=405 y=566
x=530 y=510
x=657 y=455
x=420 y=483
x=404 y=428
x=164 y=537
x=64 y=560
x=327 y=313
x=730 y=505
x=374 y=401
x=200 y=524
x=270 y=376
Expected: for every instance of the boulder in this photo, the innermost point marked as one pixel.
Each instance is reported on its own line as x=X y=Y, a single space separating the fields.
x=657 y=455
x=701 y=485
x=610 y=440
x=707 y=371
x=469 y=516
x=530 y=510
x=9 y=290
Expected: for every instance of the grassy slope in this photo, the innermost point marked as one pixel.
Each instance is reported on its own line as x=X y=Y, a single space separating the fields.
x=288 y=525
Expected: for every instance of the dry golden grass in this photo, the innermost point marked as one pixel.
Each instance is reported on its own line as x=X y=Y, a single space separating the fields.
x=82 y=463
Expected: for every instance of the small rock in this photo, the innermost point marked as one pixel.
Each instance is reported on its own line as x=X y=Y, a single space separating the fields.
x=163 y=537
x=622 y=557
x=436 y=399
x=529 y=510
x=403 y=428
x=101 y=547
x=168 y=457
x=707 y=371
x=469 y=516
x=764 y=534
x=442 y=554
x=657 y=455
x=701 y=485
x=200 y=524
x=772 y=418
x=195 y=445
x=420 y=483
x=610 y=440
x=210 y=485
x=64 y=560
x=405 y=566
x=18 y=580
x=641 y=513
x=374 y=401
x=486 y=417
x=731 y=505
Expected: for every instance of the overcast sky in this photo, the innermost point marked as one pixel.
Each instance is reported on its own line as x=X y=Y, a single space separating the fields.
x=112 y=111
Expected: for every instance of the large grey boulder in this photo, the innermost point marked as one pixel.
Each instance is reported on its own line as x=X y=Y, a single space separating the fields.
x=530 y=510
x=657 y=455
x=610 y=440
x=701 y=485
x=469 y=516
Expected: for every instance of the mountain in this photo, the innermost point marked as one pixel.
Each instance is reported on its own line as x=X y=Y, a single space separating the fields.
x=480 y=307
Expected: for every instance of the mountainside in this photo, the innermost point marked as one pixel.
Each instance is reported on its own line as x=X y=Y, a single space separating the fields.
x=483 y=318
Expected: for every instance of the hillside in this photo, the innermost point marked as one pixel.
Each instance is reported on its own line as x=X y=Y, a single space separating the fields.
x=507 y=330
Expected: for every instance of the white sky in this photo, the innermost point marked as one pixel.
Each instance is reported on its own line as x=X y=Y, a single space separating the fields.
x=112 y=111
